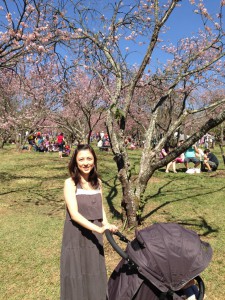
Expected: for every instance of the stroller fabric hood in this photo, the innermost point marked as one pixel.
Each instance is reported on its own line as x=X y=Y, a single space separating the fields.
x=169 y=255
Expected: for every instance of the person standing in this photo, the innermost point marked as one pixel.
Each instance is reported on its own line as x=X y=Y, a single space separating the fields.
x=61 y=143
x=82 y=264
x=31 y=140
x=206 y=140
x=102 y=135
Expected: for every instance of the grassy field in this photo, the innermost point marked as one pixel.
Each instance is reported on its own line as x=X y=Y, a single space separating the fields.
x=32 y=215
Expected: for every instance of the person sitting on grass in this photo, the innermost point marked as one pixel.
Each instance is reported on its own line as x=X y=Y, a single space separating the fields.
x=210 y=162
x=67 y=150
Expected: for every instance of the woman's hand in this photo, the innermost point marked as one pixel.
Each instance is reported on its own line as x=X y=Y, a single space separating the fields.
x=110 y=227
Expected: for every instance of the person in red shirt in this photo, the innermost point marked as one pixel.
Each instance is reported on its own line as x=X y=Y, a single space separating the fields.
x=60 y=142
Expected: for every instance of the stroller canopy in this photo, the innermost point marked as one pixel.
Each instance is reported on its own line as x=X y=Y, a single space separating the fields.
x=167 y=255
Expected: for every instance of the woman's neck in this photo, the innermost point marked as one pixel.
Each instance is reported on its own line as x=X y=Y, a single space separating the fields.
x=85 y=184
x=84 y=179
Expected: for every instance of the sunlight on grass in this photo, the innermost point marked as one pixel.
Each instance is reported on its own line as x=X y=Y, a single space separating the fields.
x=32 y=214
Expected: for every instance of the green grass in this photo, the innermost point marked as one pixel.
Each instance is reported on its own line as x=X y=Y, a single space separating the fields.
x=32 y=214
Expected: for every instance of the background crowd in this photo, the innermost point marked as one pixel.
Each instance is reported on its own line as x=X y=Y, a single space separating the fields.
x=202 y=160
x=47 y=143
x=198 y=154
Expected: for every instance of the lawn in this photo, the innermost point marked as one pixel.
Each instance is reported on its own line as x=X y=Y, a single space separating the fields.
x=32 y=214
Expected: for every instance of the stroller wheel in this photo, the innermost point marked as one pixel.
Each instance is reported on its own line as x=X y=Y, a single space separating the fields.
x=201 y=287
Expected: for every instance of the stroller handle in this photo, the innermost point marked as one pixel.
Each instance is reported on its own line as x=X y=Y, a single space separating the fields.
x=116 y=247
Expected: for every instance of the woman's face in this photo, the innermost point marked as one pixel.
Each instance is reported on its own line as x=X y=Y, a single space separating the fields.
x=85 y=161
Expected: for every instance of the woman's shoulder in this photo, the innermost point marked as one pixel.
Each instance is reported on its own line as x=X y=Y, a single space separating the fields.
x=69 y=182
x=100 y=183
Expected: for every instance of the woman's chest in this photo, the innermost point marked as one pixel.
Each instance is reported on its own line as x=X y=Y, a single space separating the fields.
x=90 y=205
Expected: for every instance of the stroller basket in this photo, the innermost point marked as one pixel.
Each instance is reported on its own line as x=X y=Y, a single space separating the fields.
x=158 y=263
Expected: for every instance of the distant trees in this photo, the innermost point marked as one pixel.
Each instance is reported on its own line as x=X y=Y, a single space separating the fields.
x=83 y=106
x=7 y=106
x=26 y=39
x=28 y=94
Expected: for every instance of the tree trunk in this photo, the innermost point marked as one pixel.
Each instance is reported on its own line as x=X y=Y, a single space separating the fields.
x=222 y=133
x=128 y=205
x=221 y=142
x=222 y=152
x=129 y=211
x=2 y=143
x=89 y=137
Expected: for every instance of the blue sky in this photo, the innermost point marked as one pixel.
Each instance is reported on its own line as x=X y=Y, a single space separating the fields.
x=182 y=23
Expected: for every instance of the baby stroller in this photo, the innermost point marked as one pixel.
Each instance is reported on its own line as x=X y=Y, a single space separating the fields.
x=158 y=264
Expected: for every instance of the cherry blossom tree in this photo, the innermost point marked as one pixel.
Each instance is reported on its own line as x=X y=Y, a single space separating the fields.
x=99 y=41
x=27 y=38
x=28 y=96
x=7 y=106
x=83 y=106
x=26 y=27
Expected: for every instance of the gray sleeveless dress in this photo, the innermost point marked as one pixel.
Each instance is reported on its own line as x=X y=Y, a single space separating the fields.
x=82 y=265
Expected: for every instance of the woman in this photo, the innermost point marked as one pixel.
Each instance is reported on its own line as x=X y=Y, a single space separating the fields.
x=164 y=152
x=83 y=272
x=180 y=158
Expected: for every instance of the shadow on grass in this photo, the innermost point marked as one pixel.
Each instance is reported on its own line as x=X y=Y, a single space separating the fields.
x=34 y=193
x=146 y=199
x=202 y=224
x=9 y=177
x=173 y=201
x=111 y=195
x=179 y=170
